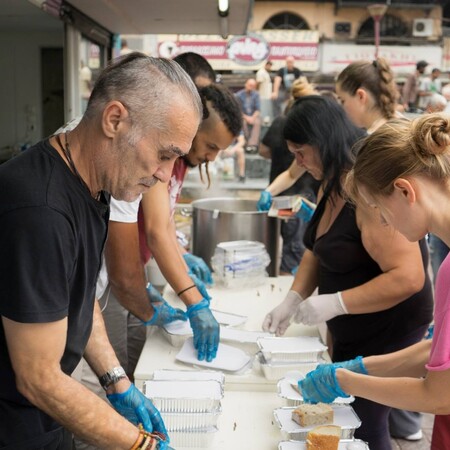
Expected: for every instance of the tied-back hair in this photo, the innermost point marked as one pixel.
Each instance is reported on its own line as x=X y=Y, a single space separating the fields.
x=402 y=148
x=301 y=87
x=147 y=87
x=224 y=103
x=322 y=123
x=195 y=66
x=375 y=77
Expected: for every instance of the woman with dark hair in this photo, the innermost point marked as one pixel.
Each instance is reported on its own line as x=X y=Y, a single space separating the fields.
x=369 y=277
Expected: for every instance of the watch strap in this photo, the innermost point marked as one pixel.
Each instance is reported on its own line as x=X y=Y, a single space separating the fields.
x=112 y=377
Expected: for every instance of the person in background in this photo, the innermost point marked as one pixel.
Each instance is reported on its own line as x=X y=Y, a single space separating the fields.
x=124 y=49
x=287 y=178
x=236 y=150
x=222 y=123
x=54 y=221
x=85 y=85
x=369 y=277
x=282 y=85
x=249 y=101
x=411 y=87
x=197 y=67
x=264 y=87
x=435 y=103
x=402 y=171
x=369 y=95
x=429 y=86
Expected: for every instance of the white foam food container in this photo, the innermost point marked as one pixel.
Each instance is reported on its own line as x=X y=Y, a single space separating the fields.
x=245 y=339
x=191 y=421
x=344 y=444
x=198 y=375
x=190 y=396
x=301 y=348
x=292 y=397
x=276 y=370
x=228 y=358
x=178 y=331
x=344 y=416
x=193 y=439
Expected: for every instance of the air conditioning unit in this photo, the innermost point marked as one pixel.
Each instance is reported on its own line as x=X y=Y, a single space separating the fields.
x=422 y=27
x=342 y=28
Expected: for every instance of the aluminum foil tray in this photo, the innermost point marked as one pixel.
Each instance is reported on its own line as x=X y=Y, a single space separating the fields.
x=191 y=421
x=344 y=444
x=277 y=370
x=171 y=374
x=344 y=416
x=291 y=349
x=193 y=439
x=193 y=396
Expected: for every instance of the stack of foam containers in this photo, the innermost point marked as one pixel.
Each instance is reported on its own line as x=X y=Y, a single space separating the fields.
x=189 y=403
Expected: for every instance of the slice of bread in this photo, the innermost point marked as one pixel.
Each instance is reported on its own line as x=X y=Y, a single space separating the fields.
x=325 y=437
x=307 y=415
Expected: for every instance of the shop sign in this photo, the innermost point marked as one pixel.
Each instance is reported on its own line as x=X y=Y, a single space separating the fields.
x=248 y=50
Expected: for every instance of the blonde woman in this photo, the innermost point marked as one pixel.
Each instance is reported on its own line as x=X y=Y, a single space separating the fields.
x=403 y=171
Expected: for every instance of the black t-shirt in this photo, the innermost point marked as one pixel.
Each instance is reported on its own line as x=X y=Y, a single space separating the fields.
x=344 y=264
x=282 y=158
x=52 y=234
x=288 y=77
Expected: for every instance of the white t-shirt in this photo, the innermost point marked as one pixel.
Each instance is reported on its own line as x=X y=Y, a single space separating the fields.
x=265 y=86
x=430 y=86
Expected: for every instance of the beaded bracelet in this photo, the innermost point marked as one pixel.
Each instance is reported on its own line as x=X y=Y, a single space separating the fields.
x=146 y=440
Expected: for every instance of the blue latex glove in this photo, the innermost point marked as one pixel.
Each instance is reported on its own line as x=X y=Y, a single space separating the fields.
x=355 y=365
x=200 y=286
x=265 y=201
x=305 y=212
x=198 y=267
x=321 y=385
x=137 y=408
x=430 y=332
x=206 y=330
x=163 y=312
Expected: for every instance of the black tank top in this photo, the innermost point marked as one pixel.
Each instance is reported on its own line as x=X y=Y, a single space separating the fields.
x=344 y=264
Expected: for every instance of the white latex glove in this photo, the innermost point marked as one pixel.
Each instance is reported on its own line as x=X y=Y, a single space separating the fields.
x=278 y=320
x=320 y=308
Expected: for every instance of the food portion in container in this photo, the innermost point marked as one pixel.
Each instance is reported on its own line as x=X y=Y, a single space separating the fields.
x=301 y=348
x=325 y=437
x=230 y=359
x=308 y=414
x=343 y=416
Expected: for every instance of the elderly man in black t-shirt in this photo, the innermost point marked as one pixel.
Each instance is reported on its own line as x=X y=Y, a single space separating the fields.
x=53 y=222
x=282 y=85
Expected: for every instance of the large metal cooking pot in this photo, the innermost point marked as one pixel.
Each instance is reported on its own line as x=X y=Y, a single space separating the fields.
x=216 y=220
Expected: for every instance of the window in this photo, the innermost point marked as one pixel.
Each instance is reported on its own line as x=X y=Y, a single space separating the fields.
x=286 y=21
x=390 y=27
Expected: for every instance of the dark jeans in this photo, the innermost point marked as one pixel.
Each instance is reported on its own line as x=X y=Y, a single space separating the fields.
x=60 y=439
x=292 y=233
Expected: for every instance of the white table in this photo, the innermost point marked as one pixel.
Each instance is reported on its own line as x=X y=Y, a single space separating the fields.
x=249 y=400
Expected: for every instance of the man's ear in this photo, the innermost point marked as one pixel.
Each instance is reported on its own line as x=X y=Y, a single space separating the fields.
x=406 y=189
x=114 y=117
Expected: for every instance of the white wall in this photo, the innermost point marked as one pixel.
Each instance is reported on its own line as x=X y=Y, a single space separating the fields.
x=20 y=84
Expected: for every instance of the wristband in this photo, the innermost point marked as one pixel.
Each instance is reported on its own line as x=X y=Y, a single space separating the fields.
x=184 y=290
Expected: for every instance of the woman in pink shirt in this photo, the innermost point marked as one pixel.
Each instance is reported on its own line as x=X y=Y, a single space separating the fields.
x=403 y=170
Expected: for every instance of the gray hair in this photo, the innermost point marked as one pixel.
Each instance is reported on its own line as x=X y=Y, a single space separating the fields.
x=147 y=87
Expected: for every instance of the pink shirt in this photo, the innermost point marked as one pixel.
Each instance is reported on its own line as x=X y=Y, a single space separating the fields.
x=440 y=347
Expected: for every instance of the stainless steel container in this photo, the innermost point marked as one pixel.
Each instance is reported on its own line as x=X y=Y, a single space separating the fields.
x=216 y=220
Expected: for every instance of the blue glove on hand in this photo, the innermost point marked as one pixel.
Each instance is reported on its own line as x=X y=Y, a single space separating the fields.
x=198 y=267
x=163 y=312
x=355 y=365
x=305 y=212
x=137 y=408
x=321 y=385
x=200 y=286
x=265 y=201
x=206 y=330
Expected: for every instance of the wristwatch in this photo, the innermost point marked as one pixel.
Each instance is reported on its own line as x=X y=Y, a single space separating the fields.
x=112 y=377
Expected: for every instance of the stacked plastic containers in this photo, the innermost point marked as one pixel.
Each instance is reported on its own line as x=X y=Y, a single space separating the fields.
x=190 y=405
x=240 y=263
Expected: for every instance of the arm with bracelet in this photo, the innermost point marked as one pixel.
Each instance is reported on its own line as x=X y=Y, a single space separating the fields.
x=161 y=240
